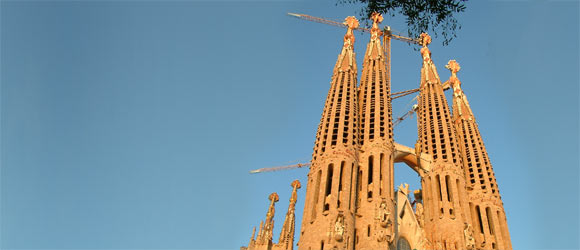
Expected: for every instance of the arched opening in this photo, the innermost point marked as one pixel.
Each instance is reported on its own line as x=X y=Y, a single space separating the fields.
x=404 y=174
x=410 y=172
x=403 y=244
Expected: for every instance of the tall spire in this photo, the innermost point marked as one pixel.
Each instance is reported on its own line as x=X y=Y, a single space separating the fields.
x=286 y=240
x=263 y=240
x=375 y=188
x=488 y=215
x=444 y=186
x=461 y=108
x=329 y=199
x=375 y=91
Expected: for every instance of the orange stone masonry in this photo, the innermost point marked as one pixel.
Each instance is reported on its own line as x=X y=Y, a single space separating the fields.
x=351 y=201
x=328 y=219
x=444 y=194
x=375 y=203
x=286 y=240
x=487 y=212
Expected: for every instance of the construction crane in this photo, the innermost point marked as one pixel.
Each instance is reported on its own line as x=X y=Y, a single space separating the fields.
x=261 y=170
x=307 y=164
x=403 y=117
x=387 y=36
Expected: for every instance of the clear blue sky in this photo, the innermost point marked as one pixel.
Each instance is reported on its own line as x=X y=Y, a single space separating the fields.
x=133 y=124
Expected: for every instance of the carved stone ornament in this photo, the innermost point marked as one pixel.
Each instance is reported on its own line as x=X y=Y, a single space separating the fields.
x=383 y=216
x=468 y=237
x=339 y=228
x=419 y=214
x=352 y=23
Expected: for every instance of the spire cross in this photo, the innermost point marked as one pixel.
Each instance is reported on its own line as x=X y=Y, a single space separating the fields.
x=375 y=30
x=454 y=67
x=295 y=185
x=425 y=40
x=273 y=198
x=351 y=23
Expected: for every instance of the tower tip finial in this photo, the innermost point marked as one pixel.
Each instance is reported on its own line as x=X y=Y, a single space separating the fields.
x=453 y=66
x=351 y=22
x=375 y=30
x=274 y=197
x=425 y=39
x=296 y=184
x=376 y=17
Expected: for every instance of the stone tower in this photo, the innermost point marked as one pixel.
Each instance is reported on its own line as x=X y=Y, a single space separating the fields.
x=350 y=198
x=264 y=239
x=444 y=194
x=286 y=240
x=487 y=213
x=328 y=219
x=374 y=203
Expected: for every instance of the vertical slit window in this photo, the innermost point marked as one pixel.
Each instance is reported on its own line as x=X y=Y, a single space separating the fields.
x=370 y=174
x=339 y=184
x=479 y=219
x=448 y=187
x=438 y=183
x=490 y=221
x=328 y=188
x=316 y=192
x=381 y=165
x=358 y=188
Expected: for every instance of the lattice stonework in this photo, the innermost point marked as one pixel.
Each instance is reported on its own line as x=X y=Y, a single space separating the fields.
x=374 y=185
x=488 y=215
x=444 y=193
x=328 y=219
x=351 y=202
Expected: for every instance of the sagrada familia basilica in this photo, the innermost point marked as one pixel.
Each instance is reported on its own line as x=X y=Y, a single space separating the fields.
x=351 y=200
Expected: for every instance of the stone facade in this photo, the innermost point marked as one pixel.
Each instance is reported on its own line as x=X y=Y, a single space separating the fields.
x=374 y=205
x=351 y=202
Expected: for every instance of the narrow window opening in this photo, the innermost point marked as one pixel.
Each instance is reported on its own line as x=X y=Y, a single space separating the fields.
x=350 y=179
x=381 y=174
x=339 y=184
x=370 y=177
x=438 y=183
x=316 y=192
x=358 y=188
x=490 y=221
x=479 y=219
x=448 y=187
x=328 y=186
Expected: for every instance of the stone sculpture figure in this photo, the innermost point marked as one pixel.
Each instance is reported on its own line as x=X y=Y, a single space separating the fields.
x=383 y=215
x=419 y=214
x=339 y=228
x=468 y=235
